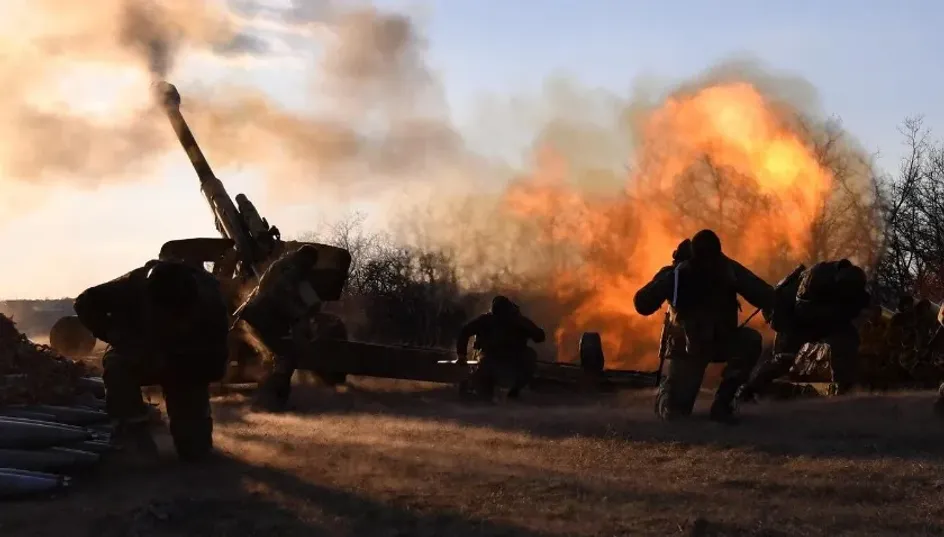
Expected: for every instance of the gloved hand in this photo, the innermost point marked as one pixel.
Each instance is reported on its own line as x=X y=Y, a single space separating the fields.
x=768 y=314
x=462 y=359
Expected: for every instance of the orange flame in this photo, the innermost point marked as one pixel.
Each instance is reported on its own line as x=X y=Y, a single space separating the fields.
x=723 y=158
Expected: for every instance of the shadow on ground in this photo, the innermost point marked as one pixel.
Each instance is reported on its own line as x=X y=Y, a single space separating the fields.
x=859 y=426
x=232 y=498
x=382 y=460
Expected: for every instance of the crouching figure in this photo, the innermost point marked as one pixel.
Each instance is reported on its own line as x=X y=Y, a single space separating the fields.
x=702 y=288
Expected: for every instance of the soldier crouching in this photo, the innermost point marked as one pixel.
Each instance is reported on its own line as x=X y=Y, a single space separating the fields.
x=279 y=311
x=501 y=336
x=702 y=290
x=166 y=323
x=820 y=309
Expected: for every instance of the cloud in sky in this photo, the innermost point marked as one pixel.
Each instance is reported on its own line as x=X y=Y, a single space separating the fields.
x=370 y=88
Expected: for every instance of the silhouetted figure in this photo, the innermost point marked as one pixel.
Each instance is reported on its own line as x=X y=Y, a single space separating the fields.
x=280 y=311
x=165 y=323
x=702 y=292
x=501 y=336
x=829 y=296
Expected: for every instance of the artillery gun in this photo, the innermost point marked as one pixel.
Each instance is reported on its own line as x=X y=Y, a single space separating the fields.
x=247 y=245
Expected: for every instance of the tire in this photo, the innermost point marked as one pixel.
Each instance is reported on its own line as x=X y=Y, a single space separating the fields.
x=590 y=351
x=68 y=336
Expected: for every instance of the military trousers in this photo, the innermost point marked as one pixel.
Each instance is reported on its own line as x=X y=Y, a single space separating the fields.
x=276 y=387
x=841 y=346
x=518 y=366
x=187 y=401
x=682 y=382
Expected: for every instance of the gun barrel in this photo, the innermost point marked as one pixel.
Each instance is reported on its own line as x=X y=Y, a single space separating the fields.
x=228 y=219
x=170 y=100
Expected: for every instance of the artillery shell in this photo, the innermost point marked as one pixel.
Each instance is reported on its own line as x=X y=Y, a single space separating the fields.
x=20 y=483
x=93 y=446
x=80 y=458
x=94 y=385
x=16 y=434
x=48 y=423
x=46 y=459
x=91 y=404
x=68 y=414
x=17 y=413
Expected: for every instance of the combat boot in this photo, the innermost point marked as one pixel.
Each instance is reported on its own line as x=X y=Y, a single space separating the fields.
x=723 y=412
x=745 y=394
x=666 y=409
x=132 y=437
x=272 y=395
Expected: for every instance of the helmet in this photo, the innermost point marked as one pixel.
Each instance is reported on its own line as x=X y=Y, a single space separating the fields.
x=851 y=283
x=851 y=277
x=171 y=286
x=502 y=305
x=706 y=245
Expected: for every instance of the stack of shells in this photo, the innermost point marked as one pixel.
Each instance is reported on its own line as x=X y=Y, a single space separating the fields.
x=52 y=421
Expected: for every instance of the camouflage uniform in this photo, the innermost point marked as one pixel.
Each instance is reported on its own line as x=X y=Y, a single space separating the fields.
x=822 y=313
x=183 y=360
x=501 y=336
x=703 y=329
x=279 y=311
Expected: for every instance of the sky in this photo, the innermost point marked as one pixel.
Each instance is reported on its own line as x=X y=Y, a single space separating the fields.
x=873 y=63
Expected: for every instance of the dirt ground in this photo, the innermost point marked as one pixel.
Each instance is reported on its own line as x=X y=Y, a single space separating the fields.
x=387 y=459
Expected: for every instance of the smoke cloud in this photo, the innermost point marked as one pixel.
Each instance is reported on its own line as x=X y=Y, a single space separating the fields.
x=77 y=108
x=737 y=149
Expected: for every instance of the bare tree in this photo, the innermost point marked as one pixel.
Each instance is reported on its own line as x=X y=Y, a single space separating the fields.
x=912 y=250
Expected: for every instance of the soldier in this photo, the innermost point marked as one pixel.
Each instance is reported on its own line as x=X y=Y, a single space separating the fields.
x=829 y=296
x=501 y=336
x=703 y=314
x=165 y=323
x=279 y=311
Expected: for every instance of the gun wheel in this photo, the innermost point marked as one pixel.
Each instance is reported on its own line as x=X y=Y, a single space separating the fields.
x=70 y=337
x=590 y=350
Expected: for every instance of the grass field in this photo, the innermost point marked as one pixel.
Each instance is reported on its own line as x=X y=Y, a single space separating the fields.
x=390 y=459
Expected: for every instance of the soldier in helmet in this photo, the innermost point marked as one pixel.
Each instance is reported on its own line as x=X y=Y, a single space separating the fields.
x=829 y=296
x=702 y=288
x=501 y=336
x=165 y=323
x=279 y=311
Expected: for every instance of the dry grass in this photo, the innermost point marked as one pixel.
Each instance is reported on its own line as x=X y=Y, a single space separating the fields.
x=377 y=460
